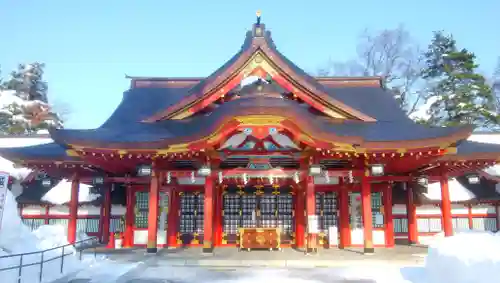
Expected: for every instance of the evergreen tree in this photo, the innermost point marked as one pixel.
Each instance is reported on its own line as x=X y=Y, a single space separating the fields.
x=24 y=105
x=459 y=94
x=496 y=85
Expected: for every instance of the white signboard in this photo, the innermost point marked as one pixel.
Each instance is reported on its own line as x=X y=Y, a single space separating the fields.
x=312 y=224
x=4 y=182
x=333 y=235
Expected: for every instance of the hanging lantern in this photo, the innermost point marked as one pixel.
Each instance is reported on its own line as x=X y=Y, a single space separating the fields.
x=473 y=179
x=296 y=177
x=271 y=179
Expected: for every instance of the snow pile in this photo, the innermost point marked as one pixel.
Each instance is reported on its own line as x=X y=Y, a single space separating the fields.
x=467 y=257
x=16 y=238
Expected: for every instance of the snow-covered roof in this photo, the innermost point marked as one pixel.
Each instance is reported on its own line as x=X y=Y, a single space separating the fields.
x=457 y=191
x=493 y=138
x=19 y=141
x=60 y=193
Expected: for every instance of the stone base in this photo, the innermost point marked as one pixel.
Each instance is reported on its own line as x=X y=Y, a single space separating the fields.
x=208 y=250
x=368 y=251
x=151 y=250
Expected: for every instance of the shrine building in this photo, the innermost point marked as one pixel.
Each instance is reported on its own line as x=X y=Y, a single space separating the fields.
x=290 y=160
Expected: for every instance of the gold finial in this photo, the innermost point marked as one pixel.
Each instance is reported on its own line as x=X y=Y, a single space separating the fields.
x=258 y=17
x=258 y=13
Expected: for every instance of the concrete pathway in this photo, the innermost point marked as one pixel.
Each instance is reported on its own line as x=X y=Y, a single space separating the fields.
x=192 y=266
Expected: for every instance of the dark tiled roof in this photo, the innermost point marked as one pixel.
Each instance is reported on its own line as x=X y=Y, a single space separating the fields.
x=49 y=151
x=200 y=126
x=469 y=147
x=373 y=101
x=140 y=103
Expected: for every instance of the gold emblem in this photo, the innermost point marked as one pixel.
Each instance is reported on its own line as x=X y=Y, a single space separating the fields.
x=260 y=239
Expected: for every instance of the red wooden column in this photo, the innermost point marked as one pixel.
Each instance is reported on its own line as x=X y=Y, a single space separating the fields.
x=218 y=205
x=129 y=218
x=106 y=213
x=73 y=209
x=366 y=212
x=154 y=188
x=311 y=211
x=300 y=219
x=469 y=216
x=208 y=211
x=345 y=230
x=172 y=217
x=446 y=219
x=388 y=220
x=411 y=214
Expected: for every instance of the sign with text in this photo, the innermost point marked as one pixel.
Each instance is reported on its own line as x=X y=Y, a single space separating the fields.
x=312 y=224
x=4 y=183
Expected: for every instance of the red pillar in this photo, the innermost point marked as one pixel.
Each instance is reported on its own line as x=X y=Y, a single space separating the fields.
x=172 y=218
x=411 y=214
x=446 y=206
x=300 y=220
x=218 y=205
x=129 y=218
x=388 y=221
x=154 y=187
x=469 y=216
x=311 y=211
x=106 y=214
x=366 y=207
x=73 y=209
x=345 y=230
x=208 y=215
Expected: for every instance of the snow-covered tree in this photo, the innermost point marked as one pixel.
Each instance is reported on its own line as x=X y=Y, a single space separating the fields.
x=24 y=104
x=496 y=85
x=458 y=93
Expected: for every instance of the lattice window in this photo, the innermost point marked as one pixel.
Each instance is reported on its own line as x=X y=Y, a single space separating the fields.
x=141 y=209
x=248 y=206
x=87 y=225
x=329 y=218
x=191 y=219
x=285 y=208
x=62 y=222
x=200 y=204
x=268 y=206
x=231 y=213
x=377 y=215
x=116 y=225
x=33 y=223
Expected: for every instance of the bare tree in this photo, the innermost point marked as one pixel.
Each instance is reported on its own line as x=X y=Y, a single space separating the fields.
x=392 y=54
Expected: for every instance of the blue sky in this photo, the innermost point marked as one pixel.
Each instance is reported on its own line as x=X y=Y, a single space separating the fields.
x=89 y=46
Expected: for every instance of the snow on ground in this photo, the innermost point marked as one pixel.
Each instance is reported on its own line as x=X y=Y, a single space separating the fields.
x=16 y=238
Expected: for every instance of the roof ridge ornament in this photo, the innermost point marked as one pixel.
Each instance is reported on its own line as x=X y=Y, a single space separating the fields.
x=258 y=28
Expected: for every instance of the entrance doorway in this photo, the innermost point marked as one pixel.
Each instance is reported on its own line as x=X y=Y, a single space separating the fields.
x=265 y=207
x=191 y=218
x=327 y=212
